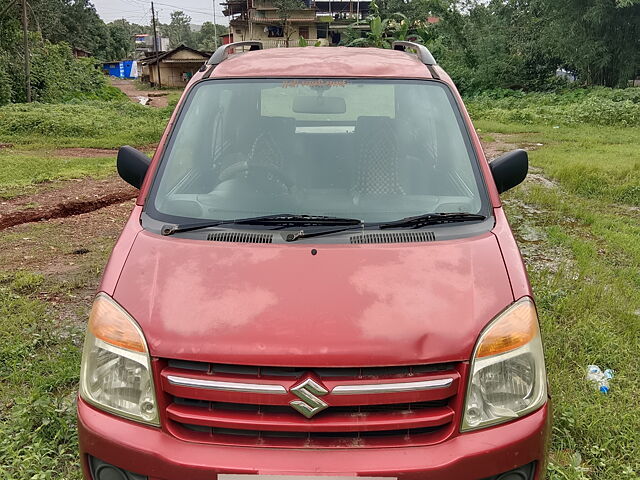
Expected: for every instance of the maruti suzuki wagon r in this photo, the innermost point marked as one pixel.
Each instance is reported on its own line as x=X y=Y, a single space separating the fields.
x=317 y=280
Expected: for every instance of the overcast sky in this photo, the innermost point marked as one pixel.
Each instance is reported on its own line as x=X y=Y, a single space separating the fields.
x=139 y=11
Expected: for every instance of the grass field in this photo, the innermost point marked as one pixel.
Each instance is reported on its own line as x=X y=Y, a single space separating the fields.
x=577 y=220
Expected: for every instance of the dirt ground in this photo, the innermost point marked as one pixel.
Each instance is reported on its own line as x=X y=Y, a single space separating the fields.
x=503 y=143
x=66 y=198
x=157 y=98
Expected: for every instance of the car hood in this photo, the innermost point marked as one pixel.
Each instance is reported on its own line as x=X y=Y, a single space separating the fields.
x=280 y=305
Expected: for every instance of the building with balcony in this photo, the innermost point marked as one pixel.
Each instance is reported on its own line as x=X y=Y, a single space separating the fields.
x=317 y=21
x=144 y=44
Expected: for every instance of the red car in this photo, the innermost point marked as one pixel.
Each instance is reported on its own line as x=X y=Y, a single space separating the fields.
x=317 y=280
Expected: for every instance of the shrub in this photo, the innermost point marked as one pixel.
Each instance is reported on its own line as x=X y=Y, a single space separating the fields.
x=597 y=106
x=56 y=75
x=83 y=122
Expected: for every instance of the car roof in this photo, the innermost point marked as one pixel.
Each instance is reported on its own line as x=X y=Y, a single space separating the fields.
x=323 y=62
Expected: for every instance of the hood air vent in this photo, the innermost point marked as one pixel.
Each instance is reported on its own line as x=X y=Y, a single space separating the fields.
x=240 y=237
x=398 y=237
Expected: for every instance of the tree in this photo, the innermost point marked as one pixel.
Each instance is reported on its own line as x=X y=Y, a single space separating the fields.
x=205 y=38
x=286 y=10
x=599 y=39
x=179 y=30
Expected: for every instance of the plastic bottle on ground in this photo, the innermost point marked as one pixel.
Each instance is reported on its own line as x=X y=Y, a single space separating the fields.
x=599 y=379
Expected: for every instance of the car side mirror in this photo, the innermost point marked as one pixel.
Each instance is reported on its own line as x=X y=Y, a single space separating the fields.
x=132 y=165
x=510 y=169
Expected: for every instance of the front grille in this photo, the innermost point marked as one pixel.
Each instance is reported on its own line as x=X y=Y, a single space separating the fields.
x=364 y=407
x=353 y=372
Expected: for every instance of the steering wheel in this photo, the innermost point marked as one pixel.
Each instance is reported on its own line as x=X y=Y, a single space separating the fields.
x=232 y=171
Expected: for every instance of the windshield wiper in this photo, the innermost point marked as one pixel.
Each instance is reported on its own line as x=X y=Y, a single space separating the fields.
x=287 y=219
x=432 y=219
x=283 y=220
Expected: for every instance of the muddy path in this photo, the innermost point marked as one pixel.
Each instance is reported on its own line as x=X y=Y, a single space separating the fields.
x=156 y=98
x=66 y=198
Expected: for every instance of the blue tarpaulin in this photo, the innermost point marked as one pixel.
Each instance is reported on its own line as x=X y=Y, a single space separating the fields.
x=124 y=69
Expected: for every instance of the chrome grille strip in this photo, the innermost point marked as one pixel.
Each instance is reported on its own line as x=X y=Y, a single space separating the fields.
x=227 y=386
x=339 y=390
x=391 y=387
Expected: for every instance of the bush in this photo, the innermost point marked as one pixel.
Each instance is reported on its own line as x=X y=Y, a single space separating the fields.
x=79 y=122
x=56 y=76
x=596 y=106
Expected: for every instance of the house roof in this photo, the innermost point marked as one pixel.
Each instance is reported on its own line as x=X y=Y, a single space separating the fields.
x=153 y=59
x=323 y=62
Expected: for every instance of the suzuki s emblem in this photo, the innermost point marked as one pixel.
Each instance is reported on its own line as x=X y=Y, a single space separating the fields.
x=308 y=392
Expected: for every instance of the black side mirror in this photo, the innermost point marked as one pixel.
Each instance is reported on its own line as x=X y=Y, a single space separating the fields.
x=510 y=169
x=132 y=165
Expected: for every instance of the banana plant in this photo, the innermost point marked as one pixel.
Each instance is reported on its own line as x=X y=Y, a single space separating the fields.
x=302 y=42
x=382 y=32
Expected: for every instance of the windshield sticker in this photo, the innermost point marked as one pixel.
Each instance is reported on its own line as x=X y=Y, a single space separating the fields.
x=314 y=83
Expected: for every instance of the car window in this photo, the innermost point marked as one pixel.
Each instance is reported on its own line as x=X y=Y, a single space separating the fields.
x=376 y=150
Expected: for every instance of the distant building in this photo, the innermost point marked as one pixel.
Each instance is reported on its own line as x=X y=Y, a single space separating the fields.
x=321 y=21
x=80 y=53
x=177 y=66
x=144 y=44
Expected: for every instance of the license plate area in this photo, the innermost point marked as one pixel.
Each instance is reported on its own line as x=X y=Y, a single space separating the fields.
x=243 y=476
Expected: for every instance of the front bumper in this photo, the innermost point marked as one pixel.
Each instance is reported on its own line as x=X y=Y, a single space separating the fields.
x=471 y=456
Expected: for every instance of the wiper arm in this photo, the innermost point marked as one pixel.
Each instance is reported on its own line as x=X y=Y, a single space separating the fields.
x=279 y=219
x=432 y=219
x=187 y=227
x=292 y=237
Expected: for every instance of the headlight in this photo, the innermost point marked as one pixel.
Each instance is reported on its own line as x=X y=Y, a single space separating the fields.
x=508 y=378
x=116 y=371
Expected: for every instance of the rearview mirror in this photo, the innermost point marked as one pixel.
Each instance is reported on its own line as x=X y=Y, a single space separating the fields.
x=132 y=165
x=319 y=105
x=510 y=169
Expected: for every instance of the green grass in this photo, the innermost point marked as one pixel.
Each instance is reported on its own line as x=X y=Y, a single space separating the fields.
x=95 y=124
x=39 y=358
x=37 y=129
x=592 y=162
x=585 y=274
x=23 y=171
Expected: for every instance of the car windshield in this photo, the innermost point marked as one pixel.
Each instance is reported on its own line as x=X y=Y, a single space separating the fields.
x=373 y=150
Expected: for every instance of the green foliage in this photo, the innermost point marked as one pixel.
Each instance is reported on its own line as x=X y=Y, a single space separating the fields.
x=599 y=39
x=75 y=22
x=179 y=30
x=302 y=42
x=205 y=39
x=39 y=369
x=597 y=106
x=520 y=44
x=5 y=80
x=56 y=75
x=382 y=31
x=285 y=10
x=105 y=124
